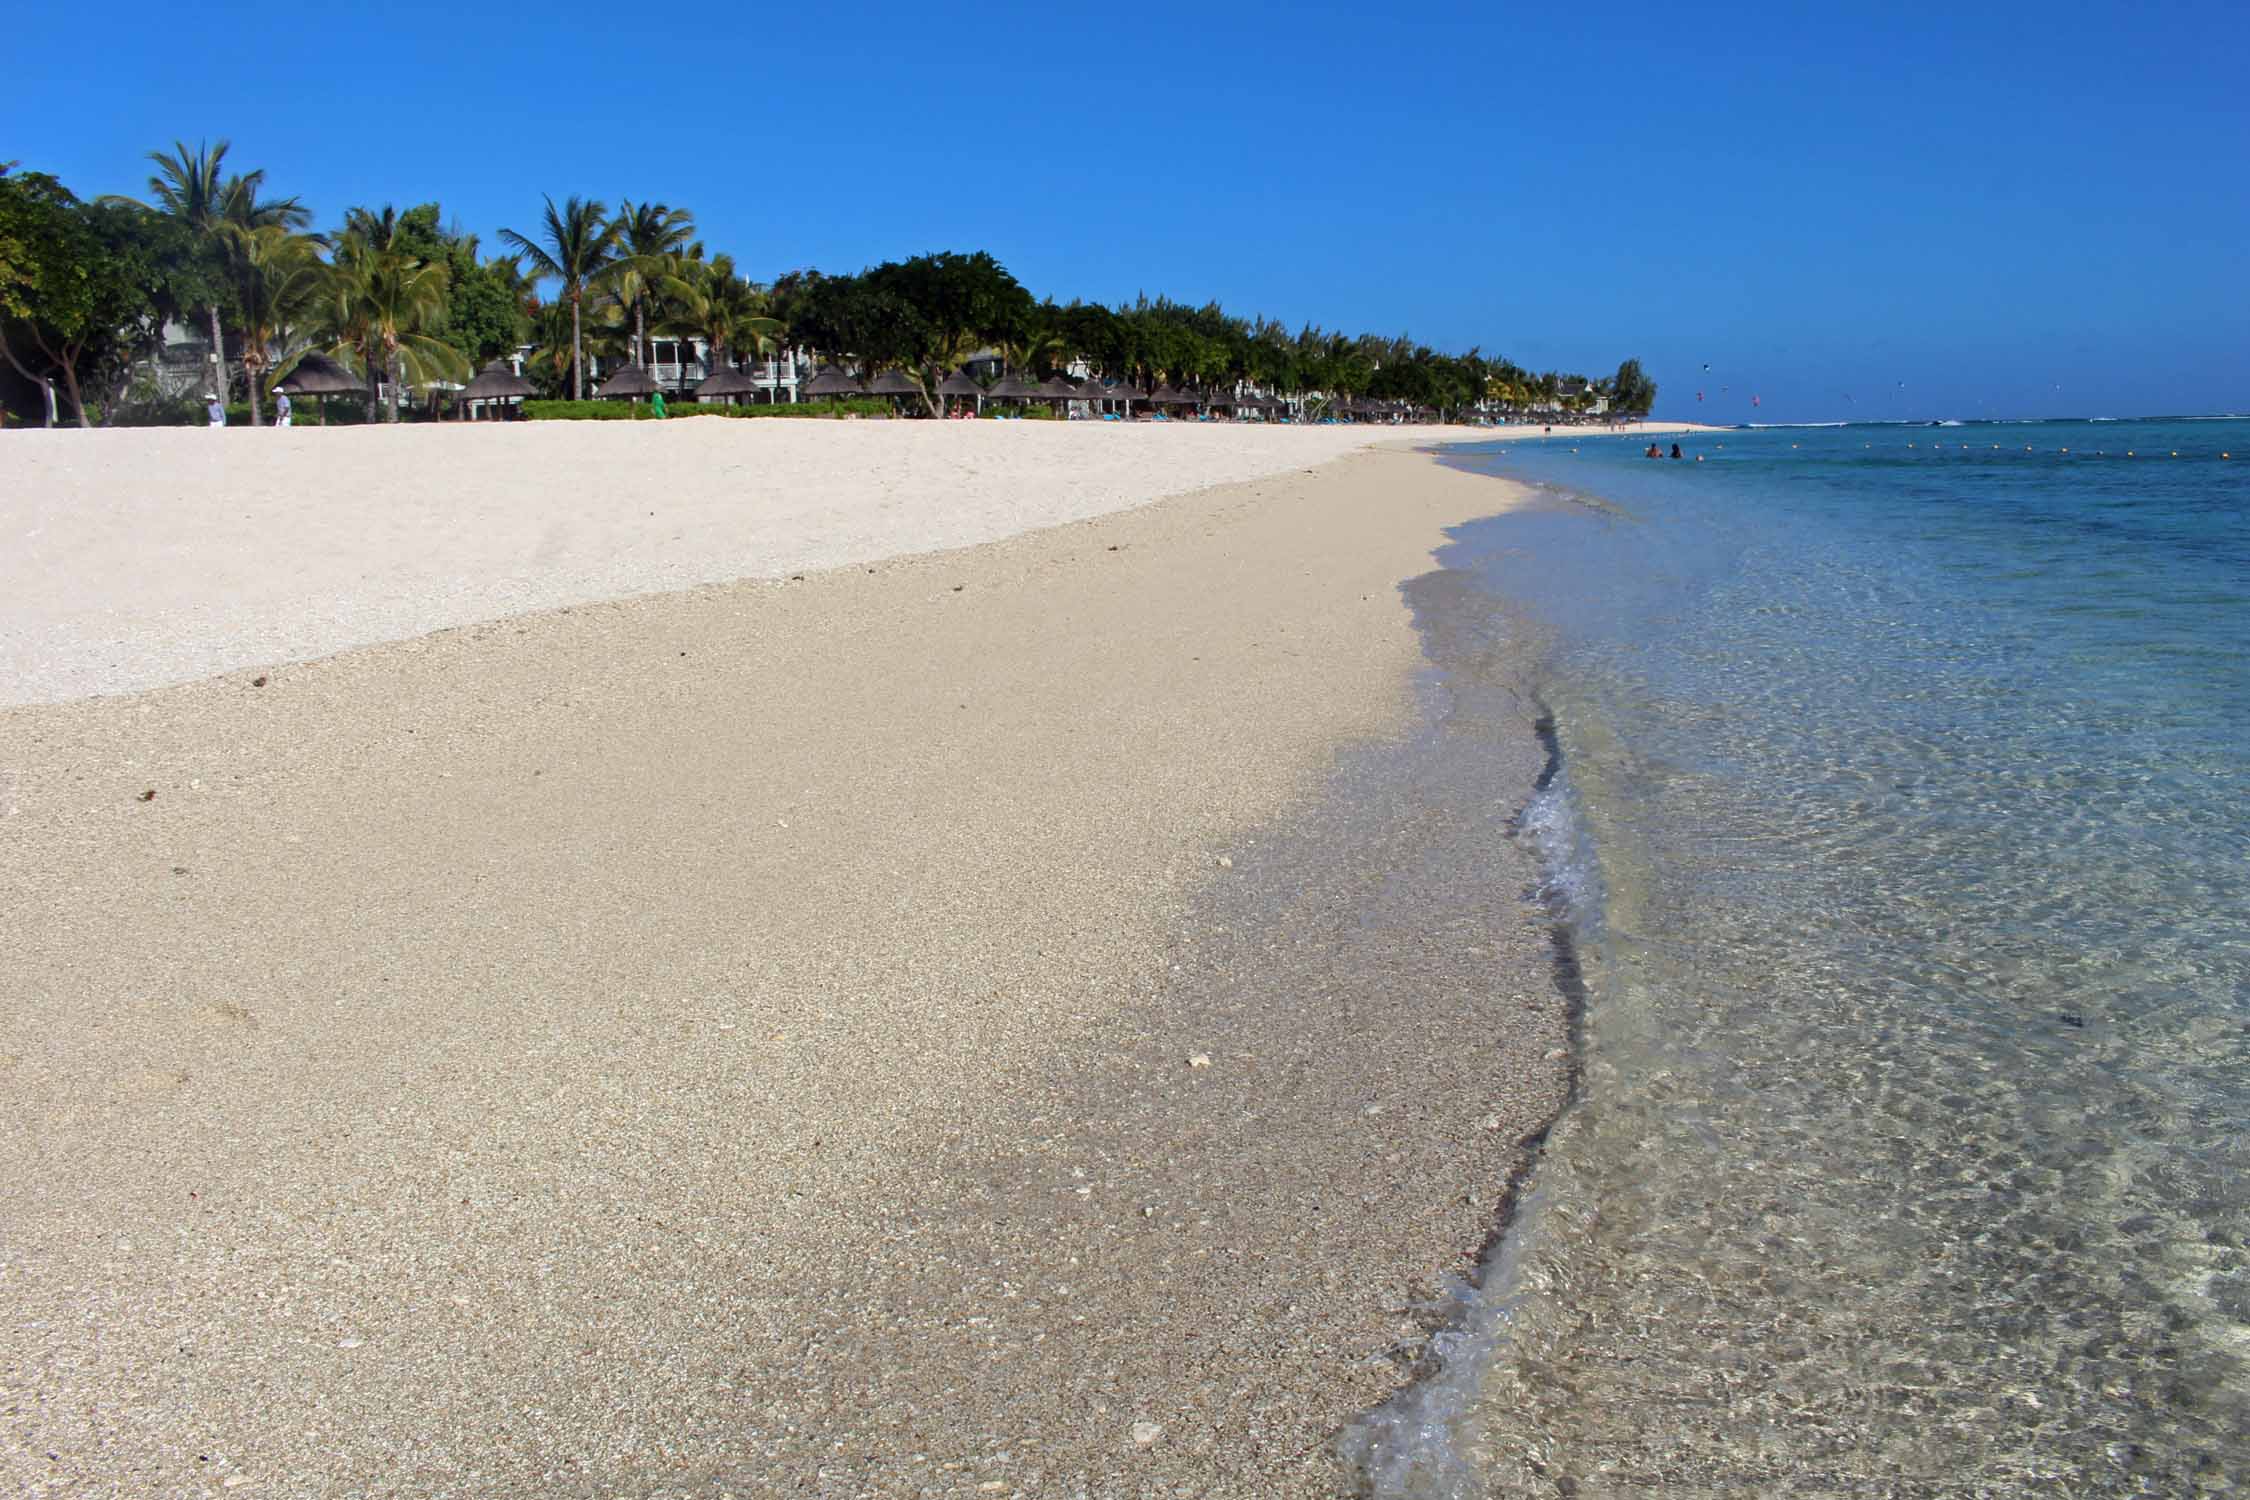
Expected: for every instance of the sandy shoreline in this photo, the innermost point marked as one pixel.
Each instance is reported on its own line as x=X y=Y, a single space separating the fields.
x=745 y=1038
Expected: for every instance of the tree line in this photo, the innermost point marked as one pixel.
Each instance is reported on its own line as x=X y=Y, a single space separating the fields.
x=88 y=288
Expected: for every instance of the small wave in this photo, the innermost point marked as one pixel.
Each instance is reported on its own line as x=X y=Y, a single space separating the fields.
x=1410 y=1448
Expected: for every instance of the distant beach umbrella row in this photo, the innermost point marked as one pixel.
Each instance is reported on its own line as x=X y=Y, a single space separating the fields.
x=319 y=375
x=831 y=381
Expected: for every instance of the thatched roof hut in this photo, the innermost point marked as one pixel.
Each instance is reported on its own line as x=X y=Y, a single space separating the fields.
x=959 y=384
x=1164 y=395
x=830 y=381
x=725 y=381
x=893 y=383
x=630 y=381
x=318 y=375
x=497 y=382
x=1013 y=389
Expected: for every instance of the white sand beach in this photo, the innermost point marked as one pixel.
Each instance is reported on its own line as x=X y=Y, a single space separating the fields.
x=764 y=1038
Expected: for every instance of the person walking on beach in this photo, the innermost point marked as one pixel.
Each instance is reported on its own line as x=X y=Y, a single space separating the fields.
x=213 y=409
x=281 y=408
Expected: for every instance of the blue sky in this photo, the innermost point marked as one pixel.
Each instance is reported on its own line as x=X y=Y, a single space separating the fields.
x=2012 y=209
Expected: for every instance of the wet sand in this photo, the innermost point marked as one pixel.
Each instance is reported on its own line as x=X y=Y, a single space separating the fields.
x=984 y=1023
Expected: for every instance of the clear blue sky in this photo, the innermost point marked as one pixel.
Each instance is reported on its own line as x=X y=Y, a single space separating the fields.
x=2012 y=208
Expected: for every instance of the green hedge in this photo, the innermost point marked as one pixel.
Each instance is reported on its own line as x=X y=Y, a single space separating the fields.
x=304 y=411
x=638 y=411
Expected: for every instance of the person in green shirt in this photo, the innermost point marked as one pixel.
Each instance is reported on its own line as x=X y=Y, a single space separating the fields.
x=657 y=401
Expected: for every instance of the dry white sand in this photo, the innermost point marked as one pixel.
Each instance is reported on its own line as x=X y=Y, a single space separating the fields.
x=133 y=559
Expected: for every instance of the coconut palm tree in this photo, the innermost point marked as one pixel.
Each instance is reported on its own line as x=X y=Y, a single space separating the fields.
x=278 y=280
x=1032 y=345
x=192 y=187
x=580 y=241
x=385 y=307
x=710 y=302
x=649 y=239
x=552 y=354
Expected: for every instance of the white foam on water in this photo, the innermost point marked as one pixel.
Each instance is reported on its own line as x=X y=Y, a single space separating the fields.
x=1413 y=1447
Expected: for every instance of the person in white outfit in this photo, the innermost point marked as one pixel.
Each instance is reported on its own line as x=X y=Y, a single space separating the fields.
x=218 y=413
x=281 y=408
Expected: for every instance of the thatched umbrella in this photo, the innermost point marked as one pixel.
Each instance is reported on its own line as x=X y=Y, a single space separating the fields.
x=1056 y=388
x=495 y=382
x=1164 y=395
x=318 y=375
x=1012 y=389
x=725 y=381
x=632 y=381
x=892 y=383
x=830 y=381
x=959 y=384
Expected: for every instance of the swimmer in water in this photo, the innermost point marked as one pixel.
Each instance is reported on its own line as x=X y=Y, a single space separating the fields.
x=1675 y=450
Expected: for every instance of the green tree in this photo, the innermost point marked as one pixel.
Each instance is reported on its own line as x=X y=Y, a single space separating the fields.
x=385 y=306
x=649 y=238
x=485 y=300
x=958 y=303
x=1635 y=392
x=193 y=188
x=710 y=302
x=484 y=305
x=63 y=300
x=278 y=282
x=580 y=241
x=161 y=259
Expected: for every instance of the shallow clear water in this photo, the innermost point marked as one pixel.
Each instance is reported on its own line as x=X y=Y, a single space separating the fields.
x=1904 y=832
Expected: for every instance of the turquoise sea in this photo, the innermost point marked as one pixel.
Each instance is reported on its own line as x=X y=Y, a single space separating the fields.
x=1898 y=840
